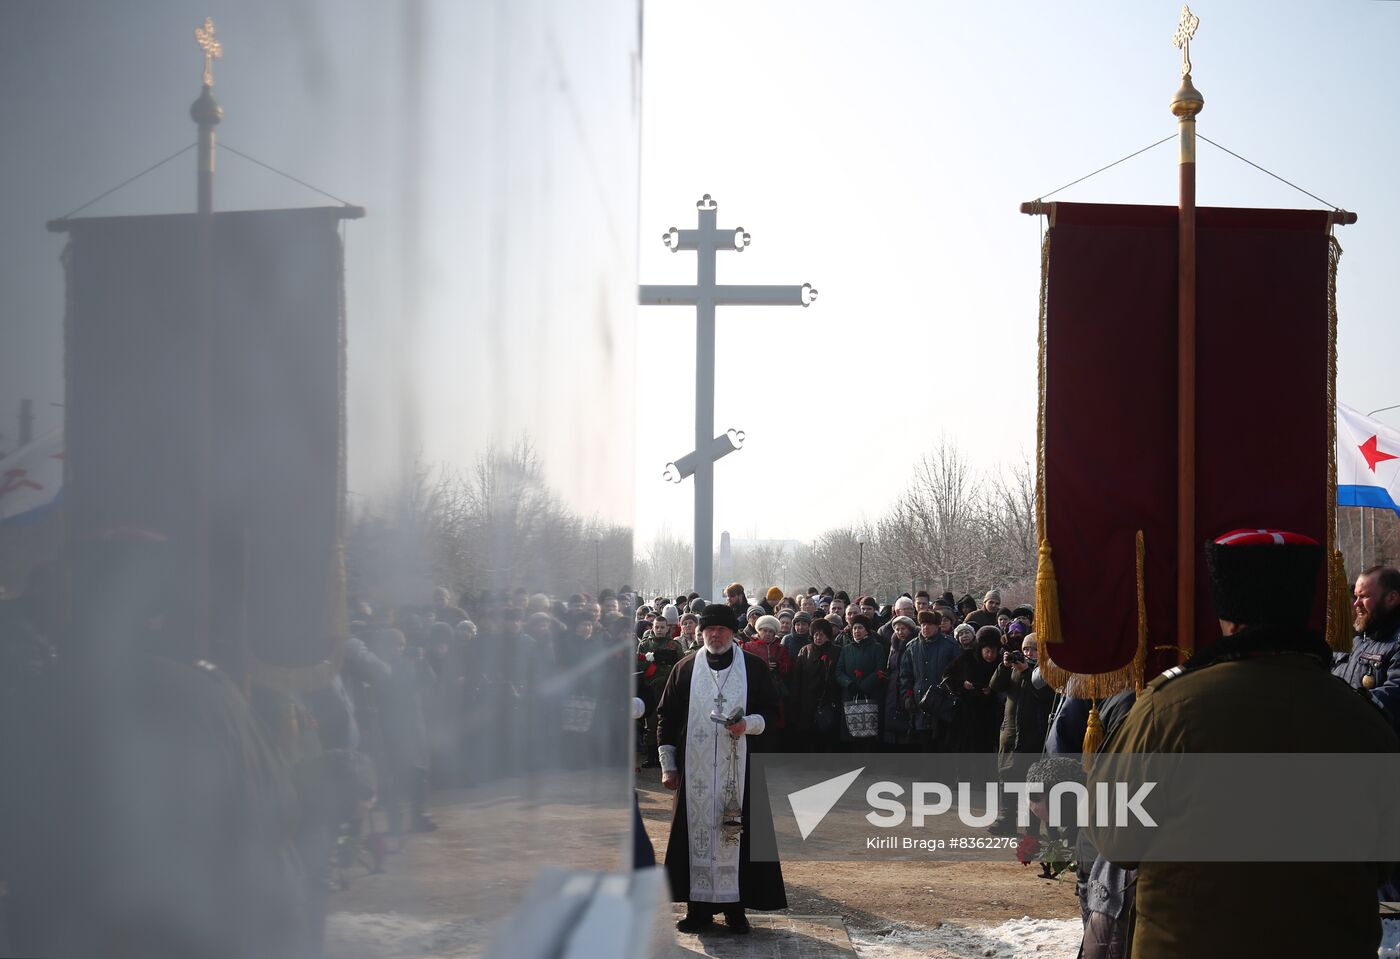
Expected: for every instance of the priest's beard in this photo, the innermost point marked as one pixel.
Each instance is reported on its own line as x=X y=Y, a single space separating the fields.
x=718 y=647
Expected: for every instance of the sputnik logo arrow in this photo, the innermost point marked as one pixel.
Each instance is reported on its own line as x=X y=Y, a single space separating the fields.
x=810 y=805
x=1374 y=455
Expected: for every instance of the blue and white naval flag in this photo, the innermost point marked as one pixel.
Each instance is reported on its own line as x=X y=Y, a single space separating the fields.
x=1368 y=461
x=31 y=479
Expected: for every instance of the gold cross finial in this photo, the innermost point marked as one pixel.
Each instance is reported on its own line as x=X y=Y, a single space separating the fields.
x=213 y=49
x=1185 y=30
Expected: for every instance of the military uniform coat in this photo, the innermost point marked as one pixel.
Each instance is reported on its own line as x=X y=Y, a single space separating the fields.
x=1263 y=690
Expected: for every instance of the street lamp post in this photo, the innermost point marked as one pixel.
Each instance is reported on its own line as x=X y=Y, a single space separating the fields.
x=860 y=568
x=597 y=565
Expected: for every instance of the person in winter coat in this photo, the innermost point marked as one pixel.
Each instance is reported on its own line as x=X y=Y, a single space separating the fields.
x=923 y=665
x=1228 y=698
x=978 y=720
x=861 y=674
x=800 y=636
x=1023 y=725
x=897 y=726
x=769 y=648
x=657 y=654
x=1373 y=665
x=816 y=702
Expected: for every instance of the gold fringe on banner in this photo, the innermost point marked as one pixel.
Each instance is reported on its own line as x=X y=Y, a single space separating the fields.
x=1338 y=628
x=1048 y=631
x=1047 y=590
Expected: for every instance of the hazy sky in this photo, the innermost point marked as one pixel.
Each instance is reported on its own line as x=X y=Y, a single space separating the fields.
x=880 y=151
x=877 y=151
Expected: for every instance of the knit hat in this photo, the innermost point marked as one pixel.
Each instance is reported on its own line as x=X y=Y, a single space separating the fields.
x=1263 y=576
x=754 y=611
x=697 y=604
x=1026 y=610
x=785 y=611
x=964 y=631
x=802 y=618
x=718 y=614
x=672 y=615
x=774 y=594
x=906 y=621
x=768 y=622
x=992 y=594
x=1017 y=629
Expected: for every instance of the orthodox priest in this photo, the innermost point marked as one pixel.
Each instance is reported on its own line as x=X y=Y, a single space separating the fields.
x=717 y=701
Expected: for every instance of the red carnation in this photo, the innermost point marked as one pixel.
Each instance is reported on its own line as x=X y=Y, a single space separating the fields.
x=1027 y=849
x=859 y=674
x=651 y=671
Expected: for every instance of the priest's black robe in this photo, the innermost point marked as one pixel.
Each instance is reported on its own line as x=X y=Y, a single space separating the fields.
x=760 y=883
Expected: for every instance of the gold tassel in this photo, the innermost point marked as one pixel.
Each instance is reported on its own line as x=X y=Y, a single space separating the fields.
x=1047 y=598
x=1339 y=632
x=1093 y=736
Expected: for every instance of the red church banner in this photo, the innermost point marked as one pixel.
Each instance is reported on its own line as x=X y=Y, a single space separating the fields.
x=1109 y=442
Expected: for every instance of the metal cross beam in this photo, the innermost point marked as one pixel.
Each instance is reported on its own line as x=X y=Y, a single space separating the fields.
x=707 y=240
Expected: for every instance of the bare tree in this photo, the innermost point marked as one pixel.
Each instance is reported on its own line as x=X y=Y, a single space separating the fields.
x=760 y=566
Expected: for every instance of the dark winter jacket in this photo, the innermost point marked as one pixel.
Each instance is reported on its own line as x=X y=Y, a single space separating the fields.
x=1373 y=665
x=858 y=669
x=1027 y=710
x=814 y=685
x=924 y=663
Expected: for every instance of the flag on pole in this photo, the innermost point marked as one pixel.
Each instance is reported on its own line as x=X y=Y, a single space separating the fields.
x=1368 y=461
x=30 y=480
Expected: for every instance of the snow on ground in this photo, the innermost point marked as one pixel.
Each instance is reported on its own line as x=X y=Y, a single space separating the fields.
x=357 y=935
x=1014 y=939
x=1390 y=939
x=352 y=935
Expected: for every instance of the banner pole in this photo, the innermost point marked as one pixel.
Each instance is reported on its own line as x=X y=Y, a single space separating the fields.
x=1185 y=106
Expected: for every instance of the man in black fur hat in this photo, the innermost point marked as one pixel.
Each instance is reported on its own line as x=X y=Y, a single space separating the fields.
x=717 y=701
x=1264 y=686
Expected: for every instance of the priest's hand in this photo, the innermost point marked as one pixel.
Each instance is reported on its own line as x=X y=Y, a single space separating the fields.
x=671 y=779
x=737 y=729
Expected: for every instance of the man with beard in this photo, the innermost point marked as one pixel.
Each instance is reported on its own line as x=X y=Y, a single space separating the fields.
x=1372 y=665
x=706 y=762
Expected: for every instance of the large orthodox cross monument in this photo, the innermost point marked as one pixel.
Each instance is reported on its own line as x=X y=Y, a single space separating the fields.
x=705 y=295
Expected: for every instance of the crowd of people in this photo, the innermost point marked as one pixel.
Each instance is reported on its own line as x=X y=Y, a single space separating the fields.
x=923 y=673
x=403 y=710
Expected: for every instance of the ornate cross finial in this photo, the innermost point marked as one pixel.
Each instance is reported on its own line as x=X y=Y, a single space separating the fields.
x=1185 y=30
x=213 y=49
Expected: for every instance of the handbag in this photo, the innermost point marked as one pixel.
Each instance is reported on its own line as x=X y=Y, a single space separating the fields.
x=862 y=718
x=941 y=703
x=578 y=713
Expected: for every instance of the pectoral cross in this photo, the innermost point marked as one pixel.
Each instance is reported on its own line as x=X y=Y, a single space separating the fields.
x=1185 y=30
x=719 y=702
x=213 y=49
